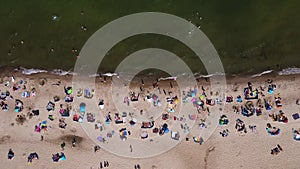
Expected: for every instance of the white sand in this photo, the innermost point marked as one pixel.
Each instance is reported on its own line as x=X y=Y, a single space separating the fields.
x=250 y=150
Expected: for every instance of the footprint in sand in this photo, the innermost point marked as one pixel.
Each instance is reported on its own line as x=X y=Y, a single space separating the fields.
x=4 y=139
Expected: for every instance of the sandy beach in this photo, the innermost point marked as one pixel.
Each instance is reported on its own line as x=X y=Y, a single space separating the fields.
x=235 y=149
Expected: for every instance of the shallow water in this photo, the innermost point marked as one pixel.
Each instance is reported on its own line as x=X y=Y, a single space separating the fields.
x=250 y=36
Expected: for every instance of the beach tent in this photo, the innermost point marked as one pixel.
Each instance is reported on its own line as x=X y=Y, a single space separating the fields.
x=144 y=135
x=101 y=104
x=56 y=98
x=50 y=106
x=88 y=94
x=123 y=134
x=32 y=156
x=82 y=112
x=82 y=107
x=62 y=157
x=75 y=117
x=50 y=117
x=79 y=92
x=18 y=105
x=147 y=124
x=268 y=106
x=26 y=94
x=223 y=120
x=239 y=99
x=68 y=90
x=56 y=157
x=296 y=135
x=148 y=98
x=10 y=154
x=69 y=98
x=229 y=99
x=258 y=111
x=250 y=94
x=132 y=122
x=278 y=101
x=65 y=113
x=175 y=135
x=271 y=88
x=210 y=102
x=198 y=140
x=90 y=117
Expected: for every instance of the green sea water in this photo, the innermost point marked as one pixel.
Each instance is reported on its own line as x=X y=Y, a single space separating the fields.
x=250 y=36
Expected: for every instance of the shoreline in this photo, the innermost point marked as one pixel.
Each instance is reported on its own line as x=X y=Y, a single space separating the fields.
x=8 y=70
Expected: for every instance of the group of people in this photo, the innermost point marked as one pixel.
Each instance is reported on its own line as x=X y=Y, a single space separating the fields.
x=104 y=164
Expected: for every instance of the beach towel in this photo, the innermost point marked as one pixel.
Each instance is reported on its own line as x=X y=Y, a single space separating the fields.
x=193 y=117
x=99 y=138
x=295 y=116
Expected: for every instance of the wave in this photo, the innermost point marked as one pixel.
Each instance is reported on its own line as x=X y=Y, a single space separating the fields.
x=61 y=72
x=30 y=71
x=290 y=71
x=198 y=75
x=94 y=75
x=110 y=74
x=167 y=78
x=263 y=73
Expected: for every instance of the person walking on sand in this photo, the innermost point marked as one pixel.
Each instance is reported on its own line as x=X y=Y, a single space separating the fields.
x=10 y=154
x=62 y=146
x=106 y=164
x=73 y=142
x=130 y=148
x=96 y=148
